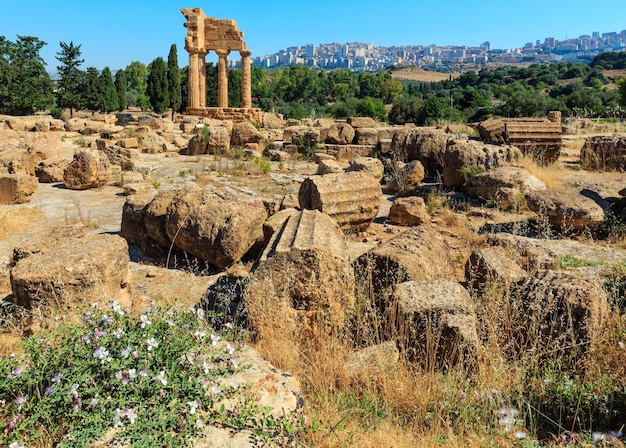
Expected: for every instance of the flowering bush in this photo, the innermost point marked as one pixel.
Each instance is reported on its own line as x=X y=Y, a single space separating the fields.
x=154 y=378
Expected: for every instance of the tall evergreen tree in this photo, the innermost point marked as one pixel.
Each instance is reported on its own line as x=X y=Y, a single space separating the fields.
x=30 y=87
x=109 y=92
x=92 y=94
x=136 y=74
x=121 y=85
x=173 y=80
x=70 y=77
x=157 y=87
x=6 y=74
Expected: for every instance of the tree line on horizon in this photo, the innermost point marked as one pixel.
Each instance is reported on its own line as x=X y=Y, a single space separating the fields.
x=574 y=88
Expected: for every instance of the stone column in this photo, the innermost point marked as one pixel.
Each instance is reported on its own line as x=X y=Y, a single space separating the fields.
x=222 y=78
x=194 y=94
x=246 y=81
x=202 y=78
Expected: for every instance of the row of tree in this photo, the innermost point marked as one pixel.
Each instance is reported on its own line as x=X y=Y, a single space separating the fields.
x=298 y=91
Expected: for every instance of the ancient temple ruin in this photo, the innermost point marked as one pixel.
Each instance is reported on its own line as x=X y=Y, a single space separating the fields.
x=206 y=34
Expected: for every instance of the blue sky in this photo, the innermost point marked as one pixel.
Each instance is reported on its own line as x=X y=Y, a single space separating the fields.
x=115 y=33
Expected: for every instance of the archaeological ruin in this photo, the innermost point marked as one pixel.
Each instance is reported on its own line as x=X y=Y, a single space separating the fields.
x=205 y=34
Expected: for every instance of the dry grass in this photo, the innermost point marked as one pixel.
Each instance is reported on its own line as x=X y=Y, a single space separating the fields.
x=551 y=175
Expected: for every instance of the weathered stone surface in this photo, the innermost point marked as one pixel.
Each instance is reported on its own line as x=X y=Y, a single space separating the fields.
x=304 y=276
x=216 y=139
x=152 y=143
x=272 y=121
x=424 y=144
x=347 y=152
x=604 y=152
x=568 y=207
x=155 y=217
x=131 y=177
x=17 y=188
x=488 y=184
x=133 y=228
x=418 y=254
x=437 y=323
x=411 y=211
x=327 y=166
x=125 y=158
x=89 y=169
x=188 y=125
x=561 y=312
x=128 y=142
x=63 y=271
x=461 y=154
x=369 y=165
x=278 y=156
x=366 y=136
x=213 y=229
x=340 y=134
x=540 y=138
x=406 y=177
x=352 y=198
x=51 y=170
x=245 y=132
x=491 y=267
x=361 y=122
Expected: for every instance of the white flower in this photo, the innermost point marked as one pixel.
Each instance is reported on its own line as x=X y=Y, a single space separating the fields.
x=214 y=338
x=234 y=363
x=152 y=343
x=162 y=378
x=118 y=375
x=193 y=406
x=117 y=420
x=520 y=434
x=101 y=353
x=20 y=401
x=216 y=390
x=190 y=359
x=16 y=445
x=132 y=373
x=231 y=348
x=206 y=367
x=234 y=384
x=73 y=390
x=118 y=333
x=200 y=333
x=131 y=414
x=126 y=352
x=597 y=437
x=229 y=325
x=200 y=423
x=144 y=320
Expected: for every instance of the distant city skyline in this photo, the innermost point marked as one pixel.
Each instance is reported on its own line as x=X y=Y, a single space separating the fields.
x=115 y=33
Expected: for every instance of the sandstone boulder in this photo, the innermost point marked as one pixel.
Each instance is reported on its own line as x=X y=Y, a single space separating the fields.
x=89 y=169
x=152 y=143
x=604 y=152
x=489 y=184
x=17 y=188
x=554 y=313
x=272 y=121
x=436 y=323
x=418 y=254
x=155 y=218
x=369 y=165
x=405 y=177
x=366 y=136
x=568 y=207
x=123 y=157
x=327 y=166
x=491 y=267
x=245 y=132
x=361 y=122
x=133 y=228
x=212 y=229
x=51 y=170
x=352 y=198
x=304 y=277
x=424 y=144
x=340 y=134
x=64 y=270
x=411 y=211
x=209 y=140
x=467 y=154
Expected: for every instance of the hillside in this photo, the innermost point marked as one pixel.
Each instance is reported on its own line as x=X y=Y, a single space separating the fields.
x=419 y=74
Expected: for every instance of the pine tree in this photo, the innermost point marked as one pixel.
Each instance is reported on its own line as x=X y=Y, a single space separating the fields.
x=121 y=85
x=109 y=92
x=69 y=84
x=157 y=88
x=173 y=81
x=30 y=87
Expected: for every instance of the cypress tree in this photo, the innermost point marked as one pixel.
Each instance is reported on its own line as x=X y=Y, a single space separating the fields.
x=121 y=85
x=109 y=92
x=92 y=96
x=173 y=80
x=157 y=88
